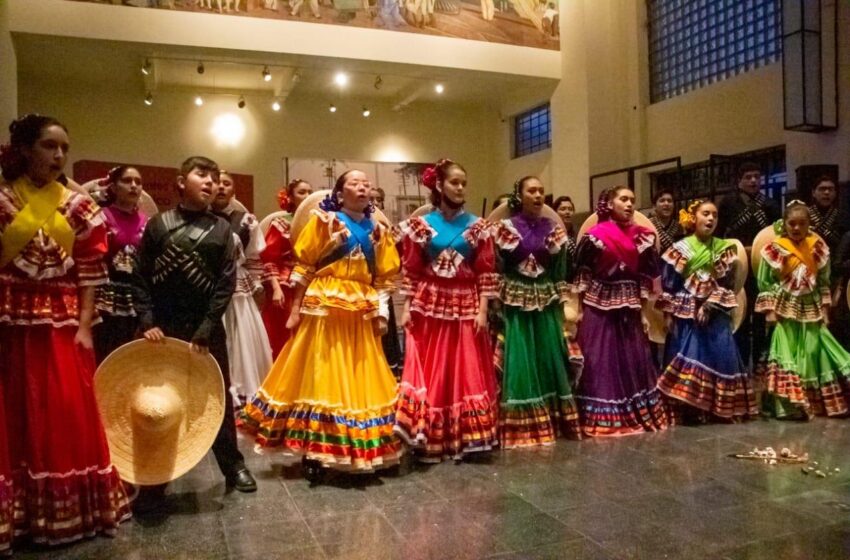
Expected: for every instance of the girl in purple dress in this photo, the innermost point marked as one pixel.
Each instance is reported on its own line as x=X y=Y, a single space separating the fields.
x=616 y=262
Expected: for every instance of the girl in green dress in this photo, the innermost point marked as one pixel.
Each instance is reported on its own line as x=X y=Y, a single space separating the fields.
x=807 y=370
x=537 y=401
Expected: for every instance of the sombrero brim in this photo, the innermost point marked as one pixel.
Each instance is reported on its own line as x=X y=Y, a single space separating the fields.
x=422 y=210
x=148 y=458
x=740 y=311
x=266 y=222
x=640 y=220
x=503 y=211
x=742 y=266
x=304 y=211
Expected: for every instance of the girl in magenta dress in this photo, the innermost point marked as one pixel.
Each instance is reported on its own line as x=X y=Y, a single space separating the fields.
x=616 y=262
x=448 y=401
x=125 y=224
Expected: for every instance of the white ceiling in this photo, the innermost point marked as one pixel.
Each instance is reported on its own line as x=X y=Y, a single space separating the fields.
x=103 y=63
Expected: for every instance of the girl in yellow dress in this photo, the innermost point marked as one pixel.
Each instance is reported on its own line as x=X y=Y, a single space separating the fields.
x=330 y=395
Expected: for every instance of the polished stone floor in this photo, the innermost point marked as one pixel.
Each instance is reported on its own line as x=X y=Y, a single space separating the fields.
x=674 y=494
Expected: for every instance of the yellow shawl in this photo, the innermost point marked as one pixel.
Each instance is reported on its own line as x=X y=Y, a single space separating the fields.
x=40 y=212
x=801 y=253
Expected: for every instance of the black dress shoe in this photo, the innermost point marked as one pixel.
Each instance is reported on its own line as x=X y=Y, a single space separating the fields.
x=242 y=480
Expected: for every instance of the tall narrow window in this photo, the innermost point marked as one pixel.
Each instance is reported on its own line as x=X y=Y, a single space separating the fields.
x=693 y=43
x=532 y=131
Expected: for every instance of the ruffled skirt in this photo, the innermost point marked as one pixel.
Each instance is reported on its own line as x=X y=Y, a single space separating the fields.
x=65 y=487
x=705 y=370
x=617 y=393
x=448 y=400
x=330 y=396
x=537 y=401
x=247 y=348
x=807 y=371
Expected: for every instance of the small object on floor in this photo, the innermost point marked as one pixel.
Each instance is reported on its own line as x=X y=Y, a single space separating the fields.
x=312 y=470
x=769 y=456
x=804 y=470
x=242 y=481
x=821 y=474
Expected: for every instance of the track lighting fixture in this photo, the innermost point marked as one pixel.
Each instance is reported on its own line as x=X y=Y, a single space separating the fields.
x=200 y=68
x=439 y=88
x=149 y=99
x=332 y=108
x=276 y=105
x=267 y=76
x=241 y=103
x=366 y=112
x=199 y=100
x=147 y=67
x=378 y=81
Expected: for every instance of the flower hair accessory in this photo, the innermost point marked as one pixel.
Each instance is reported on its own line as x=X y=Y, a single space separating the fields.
x=688 y=216
x=602 y=209
x=429 y=177
x=514 y=200
x=283 y=199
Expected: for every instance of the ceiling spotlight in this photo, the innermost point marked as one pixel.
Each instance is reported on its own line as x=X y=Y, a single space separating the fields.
x=200 y=68
x=439 y=88
x=149 y=99
x=332 y=108
x=296 y=76
x=241 y=103
x=366 y=112
x=267 y=76
x=147 y=67
x=341 y=79
x=199 y=100
x=276 y=105
x=378 y=81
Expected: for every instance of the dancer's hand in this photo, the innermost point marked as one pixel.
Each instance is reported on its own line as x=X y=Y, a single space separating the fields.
x=154 y=335
x=824 y=310
x=481 y=321
x=770 y=317
x=278 y=298
x=84 y=338
x=381 y=326
x=294 y=320
x=199 y=347
x=702 y=316
x=645 y=323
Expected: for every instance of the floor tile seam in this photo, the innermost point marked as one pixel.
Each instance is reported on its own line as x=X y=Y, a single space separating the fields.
x=303 y=519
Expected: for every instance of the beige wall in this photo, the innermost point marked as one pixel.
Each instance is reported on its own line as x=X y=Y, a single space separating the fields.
x=123 y=129
x=8 y=72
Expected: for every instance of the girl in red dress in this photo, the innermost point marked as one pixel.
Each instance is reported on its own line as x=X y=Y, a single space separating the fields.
x=278 y=262
x=448 y=401
x=52 y=248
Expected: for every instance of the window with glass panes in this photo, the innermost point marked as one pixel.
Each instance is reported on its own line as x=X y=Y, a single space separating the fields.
x=532 y=131
x=693 y=43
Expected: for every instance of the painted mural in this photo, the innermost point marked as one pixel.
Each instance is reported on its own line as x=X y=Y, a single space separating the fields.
x=527 y=23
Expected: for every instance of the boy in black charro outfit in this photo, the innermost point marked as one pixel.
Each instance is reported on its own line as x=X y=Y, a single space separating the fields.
x=185 y=277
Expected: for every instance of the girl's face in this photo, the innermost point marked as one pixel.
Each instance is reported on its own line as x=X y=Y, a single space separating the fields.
x=706 y=220
x=453 y=189
x=797 y=224
x=46 y=158
x=355 y=191
x=301 y=191
x=128 y=188
x=622 y=205
x=664 y=206
x=531 y=195
x=566 y=210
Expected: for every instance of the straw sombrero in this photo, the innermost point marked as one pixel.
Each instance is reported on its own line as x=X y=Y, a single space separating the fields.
x=422 y=210
x=740 y=311
x=302 y=214
x=266 y=222
x=162 y=406
x=742 y=266
x=147 y=205
x=502 y=211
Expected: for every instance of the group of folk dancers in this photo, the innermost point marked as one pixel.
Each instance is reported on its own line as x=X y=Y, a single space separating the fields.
x=78 y=280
